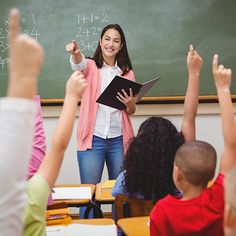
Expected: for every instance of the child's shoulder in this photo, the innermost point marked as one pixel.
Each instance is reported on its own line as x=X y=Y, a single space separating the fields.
x=167 y=201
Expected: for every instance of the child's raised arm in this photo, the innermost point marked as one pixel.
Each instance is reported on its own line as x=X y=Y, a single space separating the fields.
x=26 y=57
x=17 y=114
x=194 y=64
x=222 y=77
x=51 y=164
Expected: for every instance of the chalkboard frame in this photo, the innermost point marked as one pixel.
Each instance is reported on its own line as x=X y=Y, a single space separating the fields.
x=149 y=100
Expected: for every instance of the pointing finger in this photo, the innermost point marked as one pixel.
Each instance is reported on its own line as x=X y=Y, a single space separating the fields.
x=13 y=29
x=75 y=44
x=215 y=63
x=191 y=49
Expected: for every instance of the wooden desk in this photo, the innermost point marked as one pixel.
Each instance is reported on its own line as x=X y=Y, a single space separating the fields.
x=97 y=221
x=102 y=221
x=135 y=226
x=103 y=197
x=76 y=202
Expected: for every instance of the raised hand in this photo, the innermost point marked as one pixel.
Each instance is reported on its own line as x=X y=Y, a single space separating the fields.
x=194 y=61
x=76 y=85
x=26 y=57
x=51 y=164
x=222 y=75
x=73 y=48
x=194 y=64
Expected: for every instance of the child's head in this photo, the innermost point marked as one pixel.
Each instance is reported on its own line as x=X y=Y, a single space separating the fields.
x=113 y=44
x=195 y=162
x=230 y=203
x=149 y=159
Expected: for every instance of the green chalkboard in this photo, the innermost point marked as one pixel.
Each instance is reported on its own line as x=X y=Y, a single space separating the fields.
x=158 y=33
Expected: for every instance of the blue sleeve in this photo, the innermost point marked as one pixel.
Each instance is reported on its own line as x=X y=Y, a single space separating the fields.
x=118 y=187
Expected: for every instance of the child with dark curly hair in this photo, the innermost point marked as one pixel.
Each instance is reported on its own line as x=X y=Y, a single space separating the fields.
x=201 y=209
x=149 y=159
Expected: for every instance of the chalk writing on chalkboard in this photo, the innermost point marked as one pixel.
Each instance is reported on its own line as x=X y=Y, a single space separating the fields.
x=28 y=26
x=89 y=27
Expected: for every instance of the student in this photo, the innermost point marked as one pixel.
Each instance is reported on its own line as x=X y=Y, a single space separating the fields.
x=151 y=152
x=39 y=186
x=39 y=143
x=200 y=210
x=230 y=203
x=17 y=114
x=103 y=132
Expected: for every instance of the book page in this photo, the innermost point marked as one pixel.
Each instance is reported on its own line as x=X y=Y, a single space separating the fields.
x=82 y=229
x=71 y=193
x=56 y=230
x=91 y=230
x=146 y=87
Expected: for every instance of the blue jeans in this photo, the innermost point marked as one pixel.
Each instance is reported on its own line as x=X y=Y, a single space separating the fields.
x=91 y=161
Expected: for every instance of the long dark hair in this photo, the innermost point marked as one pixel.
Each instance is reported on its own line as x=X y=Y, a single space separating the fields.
x=122 y=57
x=149 y=159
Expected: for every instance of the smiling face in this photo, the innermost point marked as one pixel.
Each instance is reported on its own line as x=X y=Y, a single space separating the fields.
x=110 y=45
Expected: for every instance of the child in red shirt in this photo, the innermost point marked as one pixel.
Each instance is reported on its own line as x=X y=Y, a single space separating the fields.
x=200 y=209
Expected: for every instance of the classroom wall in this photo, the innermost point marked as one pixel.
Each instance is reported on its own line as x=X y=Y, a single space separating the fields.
x=208 y=129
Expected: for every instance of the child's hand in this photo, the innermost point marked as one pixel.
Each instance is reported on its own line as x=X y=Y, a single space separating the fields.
x=194 y=61
x=26 y=57
x=73 y=48
x=76 y=85
x=222 y=76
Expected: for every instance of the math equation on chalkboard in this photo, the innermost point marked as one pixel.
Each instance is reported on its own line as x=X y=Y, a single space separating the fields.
x=28 y=26
x=89 y=28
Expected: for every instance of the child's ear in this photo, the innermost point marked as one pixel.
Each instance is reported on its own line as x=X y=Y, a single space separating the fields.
x=229 y=217
x=177 y=176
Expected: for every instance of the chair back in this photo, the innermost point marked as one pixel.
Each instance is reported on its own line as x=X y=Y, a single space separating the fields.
x=131 y=207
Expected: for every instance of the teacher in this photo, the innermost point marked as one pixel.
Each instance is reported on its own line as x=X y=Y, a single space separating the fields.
x=103 y=132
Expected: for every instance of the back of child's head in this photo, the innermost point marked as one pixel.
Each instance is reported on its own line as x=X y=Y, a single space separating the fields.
x=197 y=162
x=149 y=159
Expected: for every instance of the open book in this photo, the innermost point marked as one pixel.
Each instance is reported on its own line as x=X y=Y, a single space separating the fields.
x=60 y=193
x=108 y=97
x=82 y=229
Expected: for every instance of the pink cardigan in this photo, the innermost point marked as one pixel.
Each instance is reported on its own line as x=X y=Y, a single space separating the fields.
x=89 y=106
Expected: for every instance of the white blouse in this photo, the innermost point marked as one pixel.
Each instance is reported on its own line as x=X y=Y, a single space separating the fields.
x=108 y=120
